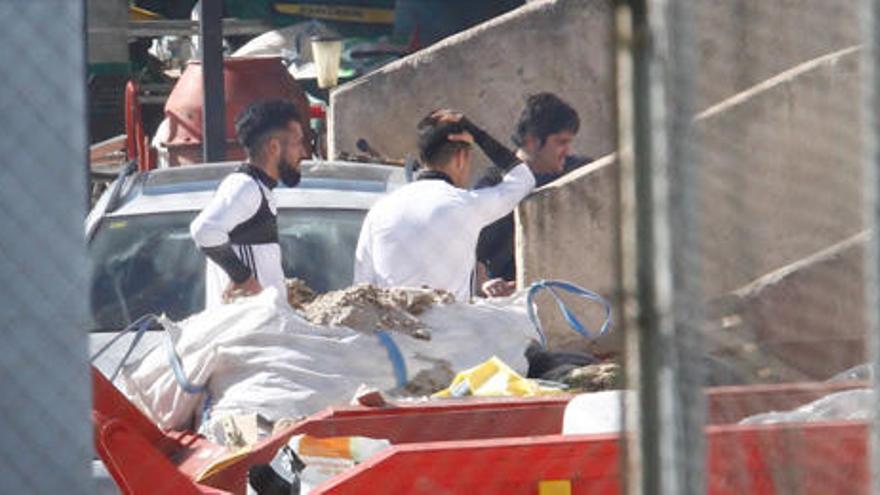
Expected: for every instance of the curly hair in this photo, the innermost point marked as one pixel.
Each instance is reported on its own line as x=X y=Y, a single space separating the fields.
x=543 y=115
x=260 y=119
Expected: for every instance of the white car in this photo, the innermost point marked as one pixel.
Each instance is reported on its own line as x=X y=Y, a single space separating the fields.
x=144 y=260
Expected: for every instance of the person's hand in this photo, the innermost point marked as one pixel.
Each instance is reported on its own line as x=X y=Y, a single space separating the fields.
x=249 y=287
x=447 y=115
x=498 y=287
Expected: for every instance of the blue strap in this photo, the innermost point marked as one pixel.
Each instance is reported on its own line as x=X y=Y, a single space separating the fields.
x=570 y=318
x=139 y=327
x=177 y=368
x=395 y=356
x=186 y=385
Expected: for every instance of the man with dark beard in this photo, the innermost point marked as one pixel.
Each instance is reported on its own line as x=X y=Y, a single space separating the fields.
x=238 y=230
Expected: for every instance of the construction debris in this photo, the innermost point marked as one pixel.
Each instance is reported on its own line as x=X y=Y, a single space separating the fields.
x=595 y=377
x=366 y=308
x=299 y=293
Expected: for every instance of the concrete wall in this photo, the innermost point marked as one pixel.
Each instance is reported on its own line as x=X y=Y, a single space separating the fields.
x=560 y=46
x=566 y=46
x=810 y=315
x=780 y=171
x=741 y=43
x=780 y=179
x=766 y=150
x=566 y=230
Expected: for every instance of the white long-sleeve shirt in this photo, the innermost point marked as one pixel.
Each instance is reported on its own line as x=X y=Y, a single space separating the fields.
x=238 y=199
x=426 y=232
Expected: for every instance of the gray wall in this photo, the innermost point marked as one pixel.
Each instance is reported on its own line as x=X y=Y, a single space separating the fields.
x=566 y=230
x=566 y=46
x=799 y=128
x=560 y=46
x=780 y=181
x=810 y=315
x=780 y=171
x=741 y=43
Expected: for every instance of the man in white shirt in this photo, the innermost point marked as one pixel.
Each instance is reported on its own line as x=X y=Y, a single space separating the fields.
x=238 y=230
x=425 y=233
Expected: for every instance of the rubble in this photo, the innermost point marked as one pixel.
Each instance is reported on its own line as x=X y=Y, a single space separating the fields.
x=366 y=308
x=594 y=377
x=299 y=293
x=429 y=381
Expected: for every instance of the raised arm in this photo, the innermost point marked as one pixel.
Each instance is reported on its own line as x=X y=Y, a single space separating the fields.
x=500 y=155
x=492 y=203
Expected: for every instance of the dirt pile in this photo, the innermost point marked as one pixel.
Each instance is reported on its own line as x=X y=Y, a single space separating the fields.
x=366 y=308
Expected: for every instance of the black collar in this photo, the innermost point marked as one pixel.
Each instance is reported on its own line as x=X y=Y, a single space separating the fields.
x=435 y=175
x=257 y=173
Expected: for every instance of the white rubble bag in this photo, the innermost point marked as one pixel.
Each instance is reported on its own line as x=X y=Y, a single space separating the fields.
x=257 y=355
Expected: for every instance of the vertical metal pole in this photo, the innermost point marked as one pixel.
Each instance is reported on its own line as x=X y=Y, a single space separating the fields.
x=871 y=158
x=632 y=35
x=44 y=375
x=214 y=105
x=665 y=453
x=682 y=414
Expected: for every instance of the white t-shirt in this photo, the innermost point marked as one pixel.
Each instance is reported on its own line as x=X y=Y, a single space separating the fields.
x=426 y=232
x=238 y=198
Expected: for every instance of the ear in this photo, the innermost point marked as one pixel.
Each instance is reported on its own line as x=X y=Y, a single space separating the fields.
x=274 y=146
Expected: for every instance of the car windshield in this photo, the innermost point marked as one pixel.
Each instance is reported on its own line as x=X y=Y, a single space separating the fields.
x=149 y=264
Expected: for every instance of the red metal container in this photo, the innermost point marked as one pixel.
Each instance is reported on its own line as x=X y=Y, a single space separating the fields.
x=501 y=446
x=245 y=80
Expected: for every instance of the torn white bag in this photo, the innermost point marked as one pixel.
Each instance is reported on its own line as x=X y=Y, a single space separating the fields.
x=257 y=355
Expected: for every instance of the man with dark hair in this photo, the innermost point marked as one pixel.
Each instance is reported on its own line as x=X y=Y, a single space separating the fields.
x=543 y=136
x=238 y=230
x=425 y=233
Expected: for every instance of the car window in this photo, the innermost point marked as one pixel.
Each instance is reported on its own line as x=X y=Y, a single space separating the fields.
x=149 y=264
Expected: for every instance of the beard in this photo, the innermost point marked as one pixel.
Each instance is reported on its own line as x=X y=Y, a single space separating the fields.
x=289 y=175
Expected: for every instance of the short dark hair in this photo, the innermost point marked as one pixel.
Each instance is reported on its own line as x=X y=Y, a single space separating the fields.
x=543 y=115
x=435 y=147
x=260 y=119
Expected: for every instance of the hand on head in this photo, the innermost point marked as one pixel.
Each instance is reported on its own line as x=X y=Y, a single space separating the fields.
x=449 y=116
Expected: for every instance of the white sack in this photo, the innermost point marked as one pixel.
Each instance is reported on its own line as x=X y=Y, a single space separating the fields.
x=259 y=356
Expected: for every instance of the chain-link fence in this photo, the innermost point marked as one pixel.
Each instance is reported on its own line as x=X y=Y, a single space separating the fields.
x=46 y=438
x=752 y=210
x=728 y=238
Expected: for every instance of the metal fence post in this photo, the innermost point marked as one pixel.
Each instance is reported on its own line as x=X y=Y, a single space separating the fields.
x=214 y=106
x=870 y=159
x=44 y=376
x=658 y=223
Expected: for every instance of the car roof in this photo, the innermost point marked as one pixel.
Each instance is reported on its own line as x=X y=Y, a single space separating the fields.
x=284 y=198
x=316 y=174
x=324 y=184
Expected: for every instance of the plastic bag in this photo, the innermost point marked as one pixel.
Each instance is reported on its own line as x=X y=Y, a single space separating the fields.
x=306 y=461
x=493 y=378
x=854 y=404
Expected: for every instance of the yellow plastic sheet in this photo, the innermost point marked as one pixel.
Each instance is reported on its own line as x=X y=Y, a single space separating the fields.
x=494 y=378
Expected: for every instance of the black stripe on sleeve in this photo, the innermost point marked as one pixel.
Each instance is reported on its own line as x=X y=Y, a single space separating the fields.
x=225 y=257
